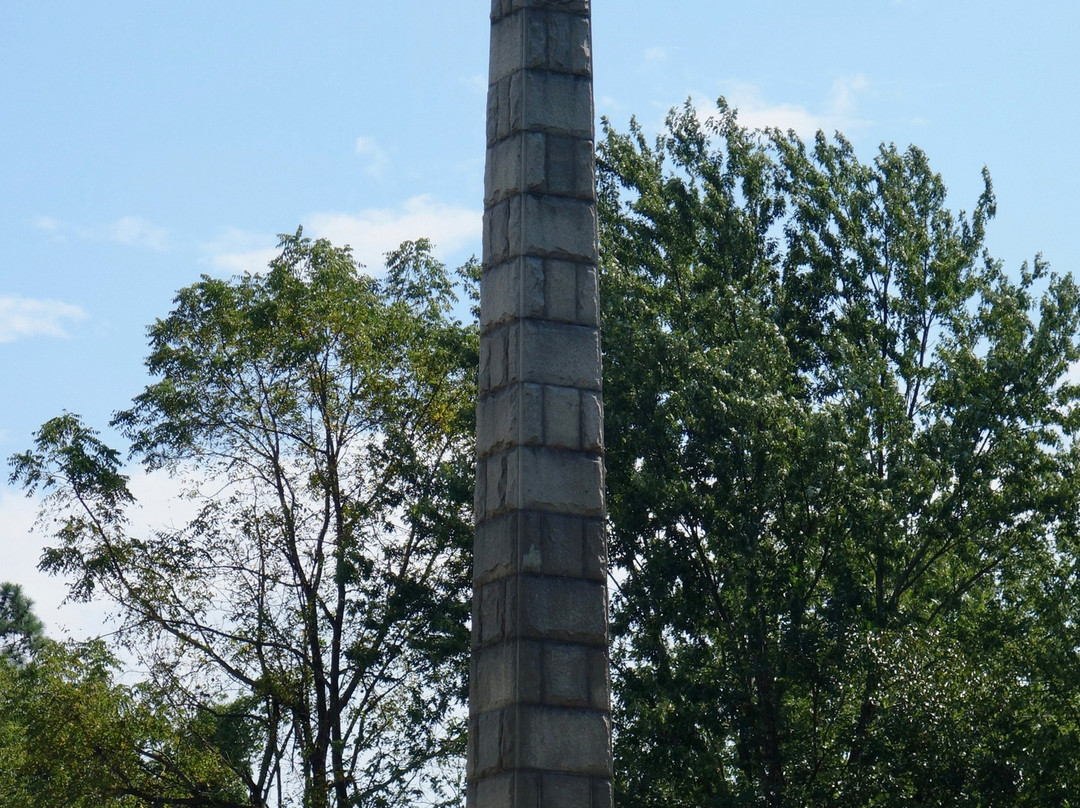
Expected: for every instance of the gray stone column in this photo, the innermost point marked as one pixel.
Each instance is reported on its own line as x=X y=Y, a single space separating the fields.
x=539 y=703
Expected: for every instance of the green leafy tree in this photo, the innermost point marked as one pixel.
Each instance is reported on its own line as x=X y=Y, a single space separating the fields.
x=21 y=632
x=71 y=735
x=842 y=480
x=321 y=422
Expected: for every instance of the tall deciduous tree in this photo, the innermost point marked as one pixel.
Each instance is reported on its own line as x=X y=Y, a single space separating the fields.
x=843 y=482
x=321 y=421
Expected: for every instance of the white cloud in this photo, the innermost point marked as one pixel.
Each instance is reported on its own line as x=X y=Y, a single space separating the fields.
x=48 y=224
x=374 y=232
x=238 y=251
x=162 y=501
x=131 y=231
x=840 y=112
x=135 y=232
x=371 y=233
x=656 y=54
x=377 y=160
x=26 y=317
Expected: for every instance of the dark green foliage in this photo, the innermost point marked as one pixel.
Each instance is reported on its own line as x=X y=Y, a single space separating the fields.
x=842 y=482
x=21 y=633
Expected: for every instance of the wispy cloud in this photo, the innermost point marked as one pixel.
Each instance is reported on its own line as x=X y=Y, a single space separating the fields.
x=838 y=113
x=135 y=232
x=369 y=149
x=371 y=233
x=47 y=224
x=22 y=317
x=375 y=231
x=656 y=54
x=131 y=231
x=237 y=251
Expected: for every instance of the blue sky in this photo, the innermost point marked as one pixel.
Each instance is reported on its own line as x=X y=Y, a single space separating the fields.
x=145 y=143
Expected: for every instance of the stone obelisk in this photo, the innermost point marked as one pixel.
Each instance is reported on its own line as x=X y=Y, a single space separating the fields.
x=539 y=703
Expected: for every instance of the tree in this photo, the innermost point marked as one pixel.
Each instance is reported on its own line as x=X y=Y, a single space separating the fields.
x=321 y=421
x=20 y=629
x=842 y=477
x=70 y=735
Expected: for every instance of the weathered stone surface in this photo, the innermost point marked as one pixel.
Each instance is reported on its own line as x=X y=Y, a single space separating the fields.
x=539 y=352
x=490 y=613
x=514 y=789
x=570 y=168
x=541 y=39
x=494 y=549
x=592 y=422
x=511 y=416
x=602 y=796
x=541 y=479
x=558 y=790
x=497 y=233
x=511 y=290
x=559 y=740
x=561 y=540
x=539 y=728
x=562 y=417
x=560 y=290
x=588 y=296
x=539 y=289
x=539 y=163
x=544 y=227
x=568 y=669
x=496 y=791
x=553 y=353
x=541 y=672
x=594 y=551
x=501 y=496
x=514 y=672
x=485 y=744
x=552 y=227
x=564 y=609
x=513 y=165
x=551 y=480
x=540 y=101
x=530 y=789
x=539 y=542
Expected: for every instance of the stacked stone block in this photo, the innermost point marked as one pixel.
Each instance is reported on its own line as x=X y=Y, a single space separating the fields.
x=539 y=690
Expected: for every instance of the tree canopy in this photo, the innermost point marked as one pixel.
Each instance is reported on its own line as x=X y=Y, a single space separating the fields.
x=71 y=735
x=320 y=421
x=843 y=484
